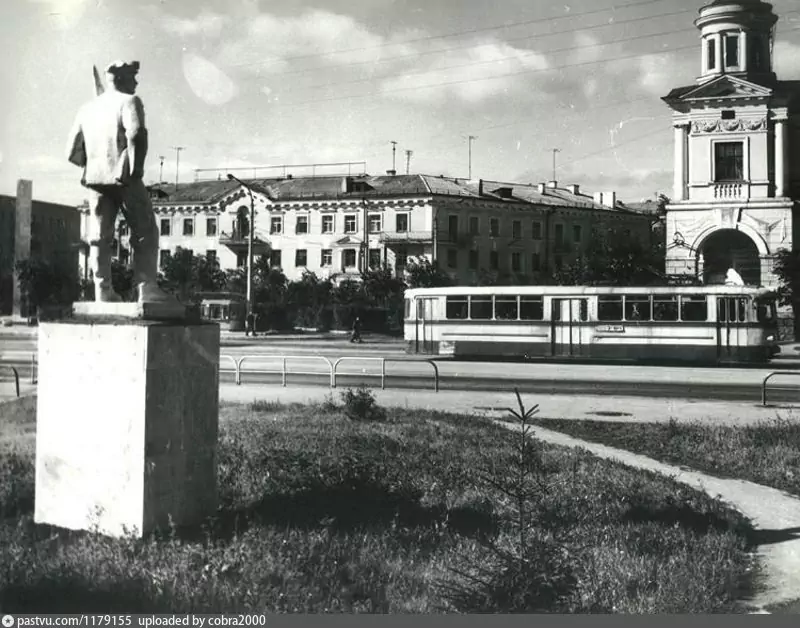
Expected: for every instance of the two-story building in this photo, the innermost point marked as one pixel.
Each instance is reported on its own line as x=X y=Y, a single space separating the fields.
x=737 y=151
x=337 y=227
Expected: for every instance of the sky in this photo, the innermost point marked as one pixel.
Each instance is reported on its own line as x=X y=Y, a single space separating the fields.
x=244 y=83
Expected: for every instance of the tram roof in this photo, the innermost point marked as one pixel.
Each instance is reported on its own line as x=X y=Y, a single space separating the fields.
x=587 y=290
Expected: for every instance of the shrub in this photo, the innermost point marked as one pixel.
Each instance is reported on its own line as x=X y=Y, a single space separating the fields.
x=361 y=405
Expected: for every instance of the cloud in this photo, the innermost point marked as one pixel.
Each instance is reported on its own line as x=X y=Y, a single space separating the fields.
x=207 y=24
x=787 y=60
x=207 y=81
x=467 y=74
x=64 y=14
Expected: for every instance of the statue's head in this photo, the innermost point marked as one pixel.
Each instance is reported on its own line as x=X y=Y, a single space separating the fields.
x=122 y=75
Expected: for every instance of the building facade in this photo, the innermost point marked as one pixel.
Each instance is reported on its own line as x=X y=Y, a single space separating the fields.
x=31 y=229
x=737 y=152
x=337 y=227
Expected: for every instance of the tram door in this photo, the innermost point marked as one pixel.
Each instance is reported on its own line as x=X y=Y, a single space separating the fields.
x=569 y=335
x=424 y=339
x=731 y=328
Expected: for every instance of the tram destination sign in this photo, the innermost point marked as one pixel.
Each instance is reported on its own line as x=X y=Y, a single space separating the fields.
x=611 y=329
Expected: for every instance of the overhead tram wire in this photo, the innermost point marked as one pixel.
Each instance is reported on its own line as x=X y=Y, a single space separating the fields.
x=455 y=34
x=693 y=46
x=414 y=55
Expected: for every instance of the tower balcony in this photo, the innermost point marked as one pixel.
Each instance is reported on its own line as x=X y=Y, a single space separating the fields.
x=390 y=238
x=237 y=241
x=730 y=190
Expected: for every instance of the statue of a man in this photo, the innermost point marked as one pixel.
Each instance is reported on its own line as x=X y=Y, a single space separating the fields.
x=109 y=141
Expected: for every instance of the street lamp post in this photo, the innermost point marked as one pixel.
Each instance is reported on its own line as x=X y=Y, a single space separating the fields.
x=249 y=303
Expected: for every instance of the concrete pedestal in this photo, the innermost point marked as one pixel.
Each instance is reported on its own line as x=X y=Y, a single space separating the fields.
x=126 y=426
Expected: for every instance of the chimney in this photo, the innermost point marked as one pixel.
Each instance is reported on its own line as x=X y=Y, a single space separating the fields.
x=480 y=187
x=553 y=185
x=391 y=173
x=289 y=176
x=347 y=185
x=574 y=189
x=541 y=187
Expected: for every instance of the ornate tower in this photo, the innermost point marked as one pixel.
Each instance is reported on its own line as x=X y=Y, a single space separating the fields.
x=736 y=151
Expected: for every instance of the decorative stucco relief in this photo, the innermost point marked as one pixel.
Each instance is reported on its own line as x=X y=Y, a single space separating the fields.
x=728 y=126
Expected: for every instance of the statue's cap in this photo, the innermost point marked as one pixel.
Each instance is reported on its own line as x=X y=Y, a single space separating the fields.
x=123 y=67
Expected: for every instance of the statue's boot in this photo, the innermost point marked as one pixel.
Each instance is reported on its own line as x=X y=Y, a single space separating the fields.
x=104 y=293
x=149 y=292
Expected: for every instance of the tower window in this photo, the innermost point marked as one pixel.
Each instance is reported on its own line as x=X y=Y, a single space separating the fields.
x=728 y=161
x=728 y=114
x=731 y=51
x=711 y=50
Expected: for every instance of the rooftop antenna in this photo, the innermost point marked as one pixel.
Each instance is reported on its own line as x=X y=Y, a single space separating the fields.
x=470 y=139
x=177 y=150
x=408 y=159
x=161 y=169
x=394 y=149
x=555 y=151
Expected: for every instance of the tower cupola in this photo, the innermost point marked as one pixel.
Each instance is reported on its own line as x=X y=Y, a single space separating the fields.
x=737 y=39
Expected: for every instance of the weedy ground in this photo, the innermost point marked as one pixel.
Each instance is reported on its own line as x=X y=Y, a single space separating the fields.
x=347 y=507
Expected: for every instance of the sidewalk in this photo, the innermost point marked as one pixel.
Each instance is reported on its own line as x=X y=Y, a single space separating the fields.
x=775 y=514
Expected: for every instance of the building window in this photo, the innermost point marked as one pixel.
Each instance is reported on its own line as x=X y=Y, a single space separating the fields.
x=276 y=224
x=558 y=260
x=350 y=224
x=301 y=258
x=276 y=259
x=211 y=226
x=374 y=223
x=401 y=259
x=374 y=258
x=241 y=259
x=576 y=233
x=188 y=226
x=327 y=224
x=494 y=227
x=494 y=260
x=711 y=54
x=452 y=258
x=731 y=51
x=164 y=256
x=537 y=230
x=474 y=225
x=349 y=257
x=473 y=260
x=536 y=262
x=516 y=229
x=401 y=223
x=327 y=257
x=166 y=227
x=211 y=256
x=452 y=226
x=301 y=226
x=516 y=262
x=559 y=234
x=729 y=161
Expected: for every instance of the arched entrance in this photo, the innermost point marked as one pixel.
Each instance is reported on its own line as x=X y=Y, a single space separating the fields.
x=729 y=248
x=242 y=227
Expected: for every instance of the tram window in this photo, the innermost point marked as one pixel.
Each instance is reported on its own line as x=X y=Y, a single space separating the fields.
x=505 y=308
x=531 y=308
x=765 y=311
x=731 y=310
x=694 y=308
x=638 y=308
x=457 y=308
x=480 y=308
x=609 y=308
x=406 y=308
x=665 y=308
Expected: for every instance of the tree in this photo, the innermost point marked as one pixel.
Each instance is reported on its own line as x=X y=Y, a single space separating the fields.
x=184 y=274
x=787 y=269
x=425 y=274
x=44 y=283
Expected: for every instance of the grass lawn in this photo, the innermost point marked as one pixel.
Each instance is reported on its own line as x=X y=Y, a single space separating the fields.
x=419 y=512
x=767 y=453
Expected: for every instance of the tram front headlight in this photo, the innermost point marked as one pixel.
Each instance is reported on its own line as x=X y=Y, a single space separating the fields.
x=770 y=338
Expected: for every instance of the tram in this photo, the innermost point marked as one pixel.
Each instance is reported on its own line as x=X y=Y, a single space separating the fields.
x=225 y=308
x=710 y=324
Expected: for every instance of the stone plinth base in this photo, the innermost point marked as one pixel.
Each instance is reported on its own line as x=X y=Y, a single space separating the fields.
x=126 y=425
x=158 y=310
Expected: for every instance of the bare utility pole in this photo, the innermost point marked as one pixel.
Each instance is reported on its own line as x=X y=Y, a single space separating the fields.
x=408 y=159
x=555 y=151
x=470 y=139
x=177 y=150
x=394 y=150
